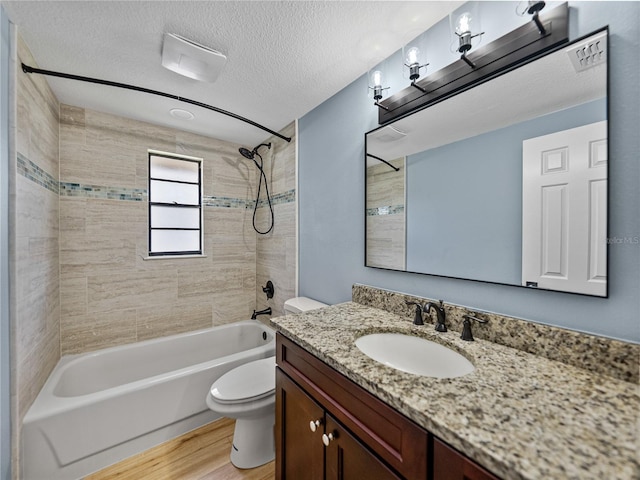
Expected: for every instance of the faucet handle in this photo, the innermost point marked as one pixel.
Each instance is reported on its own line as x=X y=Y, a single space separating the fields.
x=466 y=325
x=417 y=319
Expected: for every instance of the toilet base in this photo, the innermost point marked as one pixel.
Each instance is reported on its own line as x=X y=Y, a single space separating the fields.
x=253 y=441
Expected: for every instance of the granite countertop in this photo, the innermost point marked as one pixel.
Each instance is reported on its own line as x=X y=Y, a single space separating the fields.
x=519 y=415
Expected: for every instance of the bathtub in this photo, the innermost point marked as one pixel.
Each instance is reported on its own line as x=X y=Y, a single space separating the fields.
x=98 y=408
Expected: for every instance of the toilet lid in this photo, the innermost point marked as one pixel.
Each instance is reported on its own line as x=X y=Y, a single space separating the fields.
x=250 y=381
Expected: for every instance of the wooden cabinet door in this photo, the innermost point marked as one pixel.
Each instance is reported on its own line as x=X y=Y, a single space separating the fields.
x=299 y=450
x=347 y=459
x=449 y=464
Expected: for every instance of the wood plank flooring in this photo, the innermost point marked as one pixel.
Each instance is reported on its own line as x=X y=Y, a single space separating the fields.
x=202 y=454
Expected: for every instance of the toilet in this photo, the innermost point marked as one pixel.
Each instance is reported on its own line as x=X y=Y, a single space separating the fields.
x=248 y=394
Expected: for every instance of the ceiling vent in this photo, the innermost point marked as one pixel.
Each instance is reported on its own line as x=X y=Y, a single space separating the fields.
x=589 y=54
x=390 y=134
x=191 y=59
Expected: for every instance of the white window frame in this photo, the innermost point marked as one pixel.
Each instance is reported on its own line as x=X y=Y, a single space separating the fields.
x=178 y=252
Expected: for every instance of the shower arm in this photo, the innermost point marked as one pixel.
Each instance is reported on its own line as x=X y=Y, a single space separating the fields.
x=28 y=69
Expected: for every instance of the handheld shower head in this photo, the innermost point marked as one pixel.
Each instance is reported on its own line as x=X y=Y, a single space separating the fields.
x=250 y=154
x=245 y=152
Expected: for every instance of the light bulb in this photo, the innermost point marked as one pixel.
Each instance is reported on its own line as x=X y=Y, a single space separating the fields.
x=463 y=25
x=376 y=78
x=412 y=56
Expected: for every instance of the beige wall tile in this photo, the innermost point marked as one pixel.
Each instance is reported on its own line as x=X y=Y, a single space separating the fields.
x=73 y=295
x=35 y=296
x=84 y=333
x=276 y=252
x=107 y=293
x=153 y=322
x=73 y=216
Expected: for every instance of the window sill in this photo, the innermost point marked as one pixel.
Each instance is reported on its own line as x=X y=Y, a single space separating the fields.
x=172 y=257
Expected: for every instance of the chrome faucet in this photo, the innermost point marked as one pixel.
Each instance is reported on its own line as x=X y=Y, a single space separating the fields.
x=440 y=314
x=466 y=326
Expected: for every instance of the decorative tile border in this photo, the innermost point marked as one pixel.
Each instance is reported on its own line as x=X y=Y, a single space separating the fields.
x=227 y=202
x=602 y=355
x=279 y=198
x=68 y=189
x=390 y=210
x=33 y=172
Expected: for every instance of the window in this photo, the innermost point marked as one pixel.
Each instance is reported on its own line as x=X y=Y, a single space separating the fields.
x=175 y=204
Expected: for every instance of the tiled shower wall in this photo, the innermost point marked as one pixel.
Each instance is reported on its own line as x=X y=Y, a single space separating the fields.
x=386 y=216
x=35 y=305
x=276 y=251
x=110 y=295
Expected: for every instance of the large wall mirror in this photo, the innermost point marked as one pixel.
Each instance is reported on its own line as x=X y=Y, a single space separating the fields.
x=505 y=182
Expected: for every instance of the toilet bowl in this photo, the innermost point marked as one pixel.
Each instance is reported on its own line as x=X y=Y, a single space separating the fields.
x=247 y=394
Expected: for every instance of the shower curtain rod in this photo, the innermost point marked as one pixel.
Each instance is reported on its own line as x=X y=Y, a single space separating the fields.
x=383 y=161
x=28 y=69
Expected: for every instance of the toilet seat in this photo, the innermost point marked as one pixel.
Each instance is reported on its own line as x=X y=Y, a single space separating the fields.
x=248 y=382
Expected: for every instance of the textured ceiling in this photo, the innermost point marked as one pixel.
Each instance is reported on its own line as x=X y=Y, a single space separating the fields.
x=284 y=58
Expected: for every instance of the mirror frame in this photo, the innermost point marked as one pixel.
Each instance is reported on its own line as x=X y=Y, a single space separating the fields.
x=480 y=81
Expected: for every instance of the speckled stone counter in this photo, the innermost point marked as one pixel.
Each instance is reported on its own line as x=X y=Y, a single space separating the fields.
x=521 y=416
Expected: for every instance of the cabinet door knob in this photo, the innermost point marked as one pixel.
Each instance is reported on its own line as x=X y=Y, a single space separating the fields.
x=327 y=438
x=313 y=425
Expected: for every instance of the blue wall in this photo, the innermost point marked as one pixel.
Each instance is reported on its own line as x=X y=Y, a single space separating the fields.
x=331 y=190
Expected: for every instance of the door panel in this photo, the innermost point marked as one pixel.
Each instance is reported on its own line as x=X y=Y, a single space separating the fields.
x=299 y=451
x=564 y=210
x=348 y=459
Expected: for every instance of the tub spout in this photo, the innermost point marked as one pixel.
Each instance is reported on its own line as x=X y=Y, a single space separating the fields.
x=266 y=311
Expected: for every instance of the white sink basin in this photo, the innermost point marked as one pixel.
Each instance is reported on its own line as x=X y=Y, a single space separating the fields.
x=414 y=355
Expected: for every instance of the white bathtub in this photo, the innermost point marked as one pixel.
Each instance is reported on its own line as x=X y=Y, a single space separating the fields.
x=98 y=408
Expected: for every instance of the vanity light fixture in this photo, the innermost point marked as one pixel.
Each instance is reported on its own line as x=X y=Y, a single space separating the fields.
x=532 y=7
x=376 y=79
x=505 y=53
x=412 y=62
x=463 y=31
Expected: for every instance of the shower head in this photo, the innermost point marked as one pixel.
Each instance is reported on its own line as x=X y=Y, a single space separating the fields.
x=247 y=153
x=250 y=154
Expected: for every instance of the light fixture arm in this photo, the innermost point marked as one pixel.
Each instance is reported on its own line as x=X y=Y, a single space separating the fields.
x=28 y=69
x=466 y=60
x=536 y=20
x=377 y=95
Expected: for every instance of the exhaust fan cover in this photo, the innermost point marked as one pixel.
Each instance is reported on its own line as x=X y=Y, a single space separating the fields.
x=191 y=59
x=590 y=53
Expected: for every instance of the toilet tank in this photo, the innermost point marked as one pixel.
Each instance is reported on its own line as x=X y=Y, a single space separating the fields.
x=301 y=304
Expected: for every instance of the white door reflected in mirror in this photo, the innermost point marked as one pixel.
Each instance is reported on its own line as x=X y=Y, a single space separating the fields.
x=564 y=210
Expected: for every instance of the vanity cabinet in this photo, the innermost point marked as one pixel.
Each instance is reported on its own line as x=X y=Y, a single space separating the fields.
x=449 y=464
x=321 y=447
x=365 y=438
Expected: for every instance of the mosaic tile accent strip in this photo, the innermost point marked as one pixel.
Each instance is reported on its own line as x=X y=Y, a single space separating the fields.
x=390 y=210
x=33 y=172
x=226 y=202
x=601 y=355
x=106 y=193
x=279 y=198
